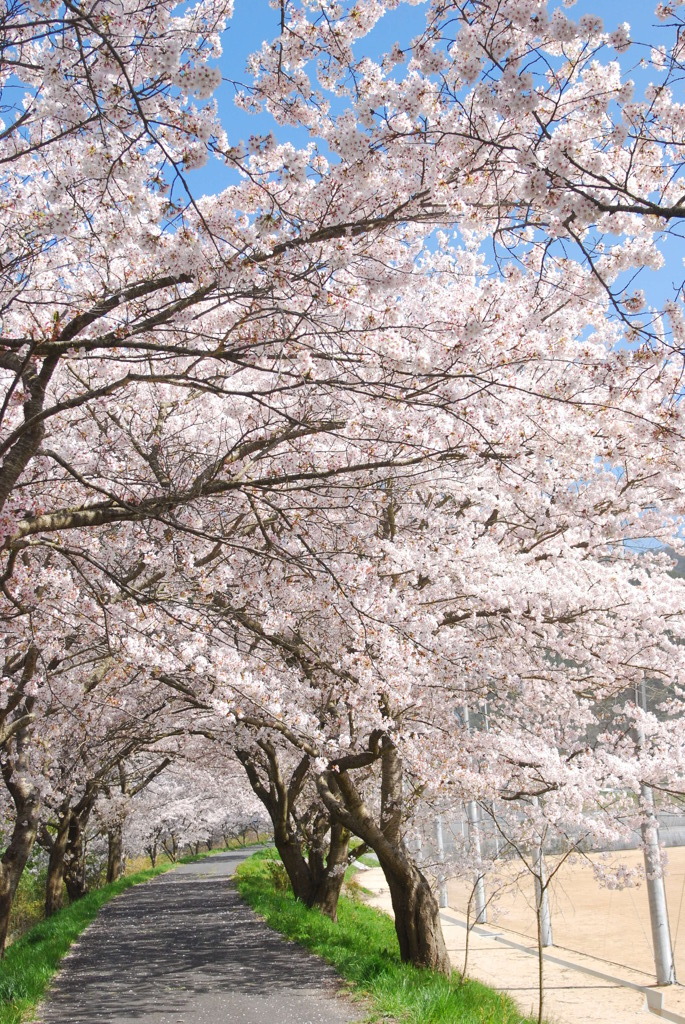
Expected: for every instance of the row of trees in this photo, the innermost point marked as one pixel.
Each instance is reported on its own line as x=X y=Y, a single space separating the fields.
x=383 y=430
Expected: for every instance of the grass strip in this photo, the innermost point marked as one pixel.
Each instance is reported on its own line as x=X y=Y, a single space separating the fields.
x=362 y=946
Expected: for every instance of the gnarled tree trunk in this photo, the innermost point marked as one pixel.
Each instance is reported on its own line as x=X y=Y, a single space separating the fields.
x=115 y=853
x=327 y=869
x=75 y=860
x=417 y=915
x=26 y=799
x=316 y=879
x=16 y=855
x=57 y=846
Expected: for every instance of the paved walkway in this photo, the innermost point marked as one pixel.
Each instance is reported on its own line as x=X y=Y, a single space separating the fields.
x=185 y=949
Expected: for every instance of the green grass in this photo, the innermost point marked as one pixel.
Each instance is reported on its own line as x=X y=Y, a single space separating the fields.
x=363 y=948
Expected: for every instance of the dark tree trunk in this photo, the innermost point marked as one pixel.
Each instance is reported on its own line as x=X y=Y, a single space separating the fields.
x=291 y=853
x=327 y=893
x=170 y=847
x=327 y=869
x=14 y=860
x=115 y=854
x=316 y=880
x=25 y=797
x=54 y=886
x=75 y=861
x=417 y=915
x=314 y=884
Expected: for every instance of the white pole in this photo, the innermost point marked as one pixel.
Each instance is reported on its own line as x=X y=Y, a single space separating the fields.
x=472 y=818
x=480 y=899
x=442 y=880
x=541 y=878
x=542 y=898
x=656 y=891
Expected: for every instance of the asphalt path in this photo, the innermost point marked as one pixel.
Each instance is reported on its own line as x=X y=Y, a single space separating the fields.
x=185 y=949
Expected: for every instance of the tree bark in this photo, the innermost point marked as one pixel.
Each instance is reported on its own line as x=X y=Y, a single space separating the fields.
x=327 y=869
x=316 y=880
x=417 y=915
x=115 y=854
x=26 y=799
x=291 y=853
x=14 y=860
x=54 y=886
x=75 y=860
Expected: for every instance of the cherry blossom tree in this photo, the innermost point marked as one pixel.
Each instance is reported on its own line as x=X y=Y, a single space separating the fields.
x=325 y=471
x=188 y=804
x=517 y=122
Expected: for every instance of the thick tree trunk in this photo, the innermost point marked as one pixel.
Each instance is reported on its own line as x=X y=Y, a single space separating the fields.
x=8 y=888
x=291 y=853
x=54 y=886
x=327 y=893
x=26 y=799
x=14 y=861
x=115 y=854
x=316 y=880
x=315 y=885
x=75 y=861
x=327 y=870
x=417 y=915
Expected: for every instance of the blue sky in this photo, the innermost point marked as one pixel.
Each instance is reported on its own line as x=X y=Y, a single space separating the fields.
x=255 y=21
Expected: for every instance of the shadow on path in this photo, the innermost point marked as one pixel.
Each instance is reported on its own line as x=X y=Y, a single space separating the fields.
x=185 y=948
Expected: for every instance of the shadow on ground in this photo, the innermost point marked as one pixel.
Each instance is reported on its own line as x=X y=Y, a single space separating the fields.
x=185 y=948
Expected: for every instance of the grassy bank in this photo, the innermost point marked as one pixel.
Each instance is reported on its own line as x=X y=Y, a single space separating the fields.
x=363 y=948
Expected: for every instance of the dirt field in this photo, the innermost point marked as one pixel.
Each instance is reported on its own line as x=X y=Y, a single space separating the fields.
x=614 y=922
x=612 y=925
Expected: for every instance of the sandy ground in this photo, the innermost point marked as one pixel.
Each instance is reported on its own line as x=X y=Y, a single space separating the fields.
x=611 y=924
x=572 y=996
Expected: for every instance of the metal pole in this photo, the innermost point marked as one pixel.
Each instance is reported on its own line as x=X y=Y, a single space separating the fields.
x=442 y=880
x=540 y=878
x=472 y=818
x=474 y=838
x=656 y=891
